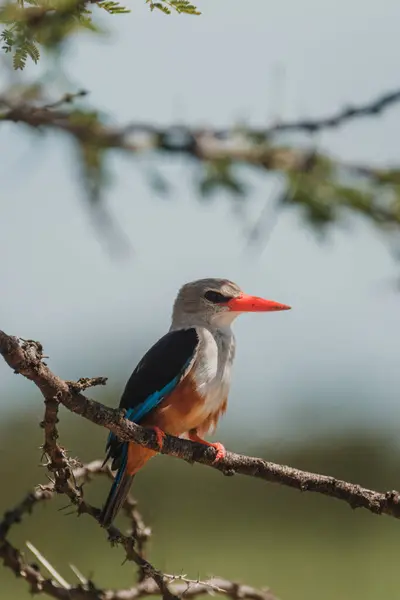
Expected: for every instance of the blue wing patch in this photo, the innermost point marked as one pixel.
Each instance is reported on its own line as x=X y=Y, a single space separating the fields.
x=138 y=412
x=156 y=376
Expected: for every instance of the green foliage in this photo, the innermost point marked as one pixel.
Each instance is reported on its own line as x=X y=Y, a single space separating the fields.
x=15 y=39
x=92 y=146
x=219 y=174
x=27 y=48
x=316 y=187
x=113 y=7
x=388 y=176
x=8 y=40
x=180 y=6
x=324 y=195
x=49 y=23
x=42 y=22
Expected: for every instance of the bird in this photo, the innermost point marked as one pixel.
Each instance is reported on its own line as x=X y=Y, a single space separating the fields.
x=180 y=386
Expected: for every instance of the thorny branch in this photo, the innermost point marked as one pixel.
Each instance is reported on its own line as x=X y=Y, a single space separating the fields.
x=26 y=358
x=69 y=478
x=154 y=582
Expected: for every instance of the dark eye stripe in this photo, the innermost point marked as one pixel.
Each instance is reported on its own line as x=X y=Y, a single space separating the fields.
x=216 y=297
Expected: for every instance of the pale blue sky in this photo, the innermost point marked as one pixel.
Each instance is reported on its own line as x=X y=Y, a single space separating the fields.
x=60 y=285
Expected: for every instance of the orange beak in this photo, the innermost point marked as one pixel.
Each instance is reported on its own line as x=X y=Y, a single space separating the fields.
x=245 y=303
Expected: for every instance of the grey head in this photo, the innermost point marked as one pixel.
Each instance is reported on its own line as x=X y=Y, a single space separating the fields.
x=215 y=303
x=205 y=302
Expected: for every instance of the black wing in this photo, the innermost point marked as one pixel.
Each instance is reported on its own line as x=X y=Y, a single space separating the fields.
x=156 y=375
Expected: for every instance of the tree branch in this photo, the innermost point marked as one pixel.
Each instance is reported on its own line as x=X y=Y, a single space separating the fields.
x=26 y=359
x=153 y=584
x=14 y=559
x=202 y=144
x=319 y=184
x=37 y=116
x=350 y=113
x=247 y=144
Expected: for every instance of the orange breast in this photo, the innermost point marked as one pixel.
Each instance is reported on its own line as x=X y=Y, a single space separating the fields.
x=184 y=409
x=209 y=423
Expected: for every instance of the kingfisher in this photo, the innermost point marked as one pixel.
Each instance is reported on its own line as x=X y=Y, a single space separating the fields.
x=181 y=384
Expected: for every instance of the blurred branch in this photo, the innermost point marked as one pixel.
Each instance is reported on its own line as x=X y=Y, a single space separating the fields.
x=315 y=182
x=26 y=359
x=350 y=113
x=201 y=142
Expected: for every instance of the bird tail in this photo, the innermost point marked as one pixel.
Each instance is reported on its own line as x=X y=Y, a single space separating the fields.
x=115 y=499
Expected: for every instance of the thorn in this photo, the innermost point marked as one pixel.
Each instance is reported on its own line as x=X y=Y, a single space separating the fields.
x=79 y=575
x=64 y=507
x=48 y=566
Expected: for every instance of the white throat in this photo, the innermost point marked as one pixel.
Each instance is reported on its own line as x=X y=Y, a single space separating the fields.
x=213 y=362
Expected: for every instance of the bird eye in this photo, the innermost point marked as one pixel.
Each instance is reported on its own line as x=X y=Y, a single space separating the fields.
x=216 y=297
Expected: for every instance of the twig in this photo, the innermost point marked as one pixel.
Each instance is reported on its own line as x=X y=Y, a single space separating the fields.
x=57 y=463
x=25 y=507
x=13 y=558
x=67 y=98
x=27 y=361
x=86 y=382
x=139 y=530
x=64 y=482
x=218 y=585
x=115 y=536
x=349 y=113
x=154 y=584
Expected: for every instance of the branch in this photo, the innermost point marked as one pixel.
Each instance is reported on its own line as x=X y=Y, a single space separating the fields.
x=249 y=145
x=203 y=144
x=154 y=584
x=316 y=183
x=350 y=113
x=13 y=558
x=26 y=359
x=65 y=482
x=191 y=589
x=139 y=533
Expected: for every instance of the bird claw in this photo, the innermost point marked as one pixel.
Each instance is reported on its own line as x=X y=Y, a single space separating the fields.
x=221 y=451
x=160 y=436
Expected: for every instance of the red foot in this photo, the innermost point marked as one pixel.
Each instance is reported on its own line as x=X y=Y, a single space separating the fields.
x=160 y=435
x=221 y=452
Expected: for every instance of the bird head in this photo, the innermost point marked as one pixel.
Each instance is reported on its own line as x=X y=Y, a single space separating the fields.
x=217 y=302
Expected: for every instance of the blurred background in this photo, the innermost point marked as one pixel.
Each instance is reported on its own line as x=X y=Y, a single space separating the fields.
x=316 y=388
